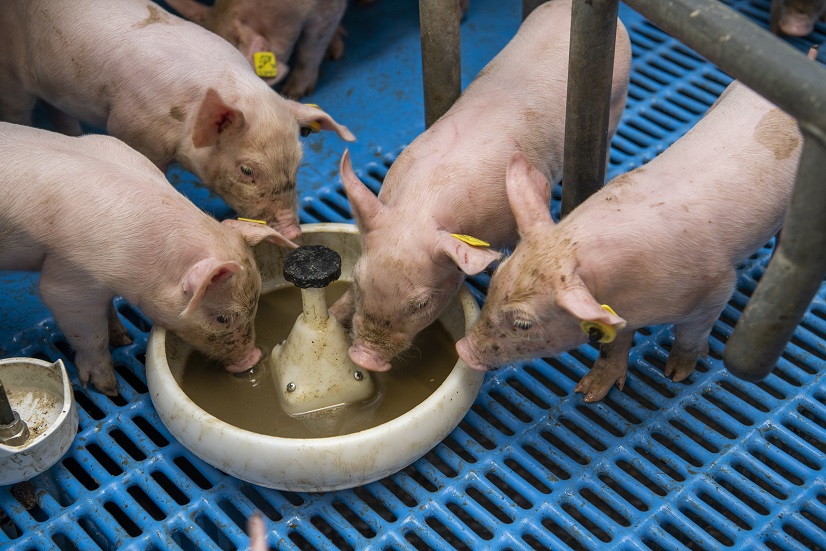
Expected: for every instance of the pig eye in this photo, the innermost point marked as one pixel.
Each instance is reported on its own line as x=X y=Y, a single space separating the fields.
x=246 y=170
x=306 y=131
x=422 y=304
x=222 y=319
x=522 y=324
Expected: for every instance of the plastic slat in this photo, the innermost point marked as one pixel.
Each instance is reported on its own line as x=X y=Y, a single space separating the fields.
x=531 y=466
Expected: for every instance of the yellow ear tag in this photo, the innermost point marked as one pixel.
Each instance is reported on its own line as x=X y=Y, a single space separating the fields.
x=470 y=240
x=313 y=126
x=599 y=332
x=265 y=65
x=253 y=221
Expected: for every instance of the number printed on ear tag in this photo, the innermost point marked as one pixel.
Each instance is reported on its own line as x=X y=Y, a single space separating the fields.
x=265 y=65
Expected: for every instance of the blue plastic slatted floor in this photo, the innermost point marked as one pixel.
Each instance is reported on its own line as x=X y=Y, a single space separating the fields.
x=710 y=463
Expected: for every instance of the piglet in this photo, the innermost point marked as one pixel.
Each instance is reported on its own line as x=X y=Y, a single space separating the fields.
x=97 y=219
x=657 y=245
x=168 y=88
x=297 y=29
x=451 y=181
x=796 y=17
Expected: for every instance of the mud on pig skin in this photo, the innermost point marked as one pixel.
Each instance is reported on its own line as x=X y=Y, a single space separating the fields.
x=451 y=179
x=168 y=88
x=658 y=245
x=796 y=17
x=97 y=219
x=297 y=29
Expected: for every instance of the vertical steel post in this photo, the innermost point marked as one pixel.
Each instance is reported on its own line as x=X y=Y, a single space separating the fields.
x=529 y=5
x=590 y=72
x=793 y=277
x=441 y=56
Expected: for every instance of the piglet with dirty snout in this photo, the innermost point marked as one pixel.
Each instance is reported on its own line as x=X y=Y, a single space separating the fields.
x=168 y=88
x=97 y=219
x=450 y=183
x=657 y=245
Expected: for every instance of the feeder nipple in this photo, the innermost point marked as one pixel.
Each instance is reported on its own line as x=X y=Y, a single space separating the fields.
x=13 y=430
x=313 y=368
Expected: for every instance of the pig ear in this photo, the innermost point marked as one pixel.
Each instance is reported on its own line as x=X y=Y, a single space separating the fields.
x=214 y=118
x=254 y=233
x=469 y=258
x=366 y=206
x=529 y=194
x=578 y=301
x=307 y=115
x=204 y=277
x=254 y=43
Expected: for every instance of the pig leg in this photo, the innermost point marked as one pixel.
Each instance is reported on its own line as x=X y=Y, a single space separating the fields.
x=690 y=342
x=691 y=334
x=82 y=317
x=609 y=369
x=309 y=51
x=118 y=336
x=336 y=47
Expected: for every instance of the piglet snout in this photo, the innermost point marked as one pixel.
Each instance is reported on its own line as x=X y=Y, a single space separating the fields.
x=252 y=358
x=368 y=359
x=465 y=350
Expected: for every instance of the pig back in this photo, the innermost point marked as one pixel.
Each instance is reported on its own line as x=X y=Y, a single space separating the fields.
x=516 y=103
x=86 y=57
x=722 y=189
x=743 y=155
x=63 y=198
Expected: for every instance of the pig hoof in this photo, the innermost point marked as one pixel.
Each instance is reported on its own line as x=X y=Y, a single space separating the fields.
x=105 y=383
x=597 y=383
x=681 y=373
x=594 y=391
x=678 y=369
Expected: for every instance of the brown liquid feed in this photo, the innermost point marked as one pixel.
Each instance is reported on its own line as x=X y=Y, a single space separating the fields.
x=251 y=403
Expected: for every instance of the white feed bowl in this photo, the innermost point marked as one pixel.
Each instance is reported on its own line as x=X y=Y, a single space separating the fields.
x=312 y=464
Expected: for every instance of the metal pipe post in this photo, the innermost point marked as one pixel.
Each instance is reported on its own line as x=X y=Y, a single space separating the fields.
x=6 y=413
x=590 y=72
x=441 y=56
x=529 y=5
x=793 y=277
x=747 y=52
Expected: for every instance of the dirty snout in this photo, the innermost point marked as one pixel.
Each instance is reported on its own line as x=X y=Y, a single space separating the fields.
x=467 y=352
x=376 y=342
x=249 y=360
x=368 y=358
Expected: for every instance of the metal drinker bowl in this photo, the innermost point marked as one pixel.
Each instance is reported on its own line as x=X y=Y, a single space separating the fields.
x=44 y=425
x=312 y=464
